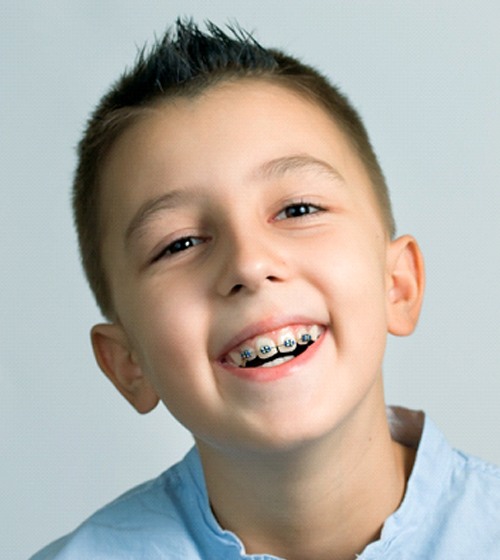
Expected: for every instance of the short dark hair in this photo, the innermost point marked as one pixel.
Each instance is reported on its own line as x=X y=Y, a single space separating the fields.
x=184 y=63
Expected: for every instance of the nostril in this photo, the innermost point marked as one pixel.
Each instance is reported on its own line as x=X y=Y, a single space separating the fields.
x=236 y=288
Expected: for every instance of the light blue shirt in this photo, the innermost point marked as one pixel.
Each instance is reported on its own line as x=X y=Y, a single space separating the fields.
x=451 y=511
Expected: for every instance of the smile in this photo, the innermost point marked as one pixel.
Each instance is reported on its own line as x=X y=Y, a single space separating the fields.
x=275 y=348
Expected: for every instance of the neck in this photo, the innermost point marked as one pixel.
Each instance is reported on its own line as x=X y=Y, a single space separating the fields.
x=328 y=499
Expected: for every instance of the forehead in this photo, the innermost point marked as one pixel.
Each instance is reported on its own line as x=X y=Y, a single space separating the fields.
x=220 y=137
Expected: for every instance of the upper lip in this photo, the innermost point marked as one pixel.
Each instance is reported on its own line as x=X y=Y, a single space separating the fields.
x=262 y=327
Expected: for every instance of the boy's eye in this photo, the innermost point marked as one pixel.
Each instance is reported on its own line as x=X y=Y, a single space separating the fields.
x=298 y=210
x=178 y=246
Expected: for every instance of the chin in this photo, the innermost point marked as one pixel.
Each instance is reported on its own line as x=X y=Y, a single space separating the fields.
x=293 y=431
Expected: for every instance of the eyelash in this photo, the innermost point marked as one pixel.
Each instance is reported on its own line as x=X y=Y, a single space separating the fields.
x=302 y=205
x=178 y=246
x=182 y=244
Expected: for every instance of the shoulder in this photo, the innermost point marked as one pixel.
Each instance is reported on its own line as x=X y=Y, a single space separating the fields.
x=475 y=485
x=145 y=522
x=466 y=520
x=467 y=506
x=451 y=508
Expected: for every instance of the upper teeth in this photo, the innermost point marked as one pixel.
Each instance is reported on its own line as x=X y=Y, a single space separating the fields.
x=266 y=347
x=284 y=340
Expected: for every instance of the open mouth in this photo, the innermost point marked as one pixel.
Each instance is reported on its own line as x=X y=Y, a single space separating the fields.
x=274 y=348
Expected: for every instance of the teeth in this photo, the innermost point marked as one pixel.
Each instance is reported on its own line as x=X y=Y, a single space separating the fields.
x=278 y=361
x=314 y=331
x=240 y=358
x=303 y=336
x=264 y=347
x=247 y=354
x=287 y=342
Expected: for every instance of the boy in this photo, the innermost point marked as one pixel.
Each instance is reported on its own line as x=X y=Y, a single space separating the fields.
x=236 y=230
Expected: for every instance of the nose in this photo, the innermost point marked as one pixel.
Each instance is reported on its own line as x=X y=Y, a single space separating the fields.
x=248 y=261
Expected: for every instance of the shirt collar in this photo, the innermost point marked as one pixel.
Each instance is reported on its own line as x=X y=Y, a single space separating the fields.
x=427 y=481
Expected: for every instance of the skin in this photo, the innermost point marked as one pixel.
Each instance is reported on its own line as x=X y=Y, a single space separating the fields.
x=279 y=226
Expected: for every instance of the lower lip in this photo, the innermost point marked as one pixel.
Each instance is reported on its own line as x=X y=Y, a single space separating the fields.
x=267 y=374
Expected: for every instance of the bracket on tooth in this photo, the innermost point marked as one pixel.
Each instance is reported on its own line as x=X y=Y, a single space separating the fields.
x=266 y=348
x=246 y=355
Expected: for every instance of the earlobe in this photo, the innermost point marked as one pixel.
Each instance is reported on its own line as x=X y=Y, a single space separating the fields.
x=406 y=277
x=116 y=359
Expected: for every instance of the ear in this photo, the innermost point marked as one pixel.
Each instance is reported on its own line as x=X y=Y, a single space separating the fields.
x=406 y=283
x=116 y=359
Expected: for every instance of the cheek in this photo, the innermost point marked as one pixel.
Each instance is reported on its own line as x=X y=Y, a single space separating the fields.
x=170 y=328
x=171 y=335
x=353 y=281
x=351 y=267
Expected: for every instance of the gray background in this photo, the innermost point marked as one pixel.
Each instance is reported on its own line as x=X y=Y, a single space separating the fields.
x=425 y=76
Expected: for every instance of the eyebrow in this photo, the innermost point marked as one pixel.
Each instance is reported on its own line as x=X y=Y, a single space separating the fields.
x=273 y=169
x=281 y=166
x=166 y=201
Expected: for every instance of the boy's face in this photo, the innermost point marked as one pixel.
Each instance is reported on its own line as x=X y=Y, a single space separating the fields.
x=234 y=221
